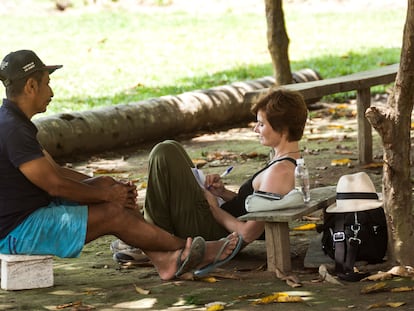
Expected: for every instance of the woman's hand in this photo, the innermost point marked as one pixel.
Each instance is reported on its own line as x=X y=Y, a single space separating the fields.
x=214 y=184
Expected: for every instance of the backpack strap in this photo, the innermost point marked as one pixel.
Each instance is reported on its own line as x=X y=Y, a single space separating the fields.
x=346 y=249
x=352 y=245
x=339 y=241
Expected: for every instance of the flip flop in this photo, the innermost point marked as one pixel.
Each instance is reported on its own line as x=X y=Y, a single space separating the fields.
x=194 y=258
x=217 y=263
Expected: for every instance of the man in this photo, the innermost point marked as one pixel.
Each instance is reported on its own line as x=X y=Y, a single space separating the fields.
x=49 y=209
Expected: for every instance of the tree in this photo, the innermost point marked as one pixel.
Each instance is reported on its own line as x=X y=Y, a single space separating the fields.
x=154 y=119
x=393 y=124
x=278 y=41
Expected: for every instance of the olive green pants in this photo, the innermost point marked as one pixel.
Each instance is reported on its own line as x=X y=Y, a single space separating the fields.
x=174 y=200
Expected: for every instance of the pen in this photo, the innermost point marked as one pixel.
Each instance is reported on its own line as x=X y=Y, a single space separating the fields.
x=226 y=172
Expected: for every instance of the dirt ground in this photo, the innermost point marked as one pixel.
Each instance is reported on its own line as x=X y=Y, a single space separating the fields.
x=95 y=282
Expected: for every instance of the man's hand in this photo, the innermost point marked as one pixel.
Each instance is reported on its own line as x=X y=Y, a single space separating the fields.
x=124 y=193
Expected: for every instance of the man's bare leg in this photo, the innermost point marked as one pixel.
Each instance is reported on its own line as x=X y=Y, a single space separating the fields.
x=129 y=226
x=160 y=246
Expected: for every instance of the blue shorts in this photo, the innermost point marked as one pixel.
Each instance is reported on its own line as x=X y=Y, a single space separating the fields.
x=58 y=229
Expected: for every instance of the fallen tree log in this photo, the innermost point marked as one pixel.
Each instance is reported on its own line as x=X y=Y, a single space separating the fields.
x=145 y=121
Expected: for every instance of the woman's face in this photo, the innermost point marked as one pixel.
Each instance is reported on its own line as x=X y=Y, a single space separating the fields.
x=267 y=135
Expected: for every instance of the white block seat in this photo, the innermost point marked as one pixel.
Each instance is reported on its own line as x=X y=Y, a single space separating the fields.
x=26 y=271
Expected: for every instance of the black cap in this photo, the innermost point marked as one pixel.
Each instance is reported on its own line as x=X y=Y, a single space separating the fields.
x=19 y=64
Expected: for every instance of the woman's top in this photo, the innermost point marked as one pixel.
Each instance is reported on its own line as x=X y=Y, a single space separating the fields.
x=235 y=206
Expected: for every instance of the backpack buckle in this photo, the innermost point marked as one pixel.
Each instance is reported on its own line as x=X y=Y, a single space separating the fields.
x=339 y=236
x=355 y=228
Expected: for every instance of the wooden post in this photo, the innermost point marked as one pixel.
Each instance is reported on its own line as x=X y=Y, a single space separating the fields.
x=364 y=128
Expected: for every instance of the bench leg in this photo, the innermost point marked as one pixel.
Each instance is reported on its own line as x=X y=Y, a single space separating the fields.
x=278 y=246
x=364 y=127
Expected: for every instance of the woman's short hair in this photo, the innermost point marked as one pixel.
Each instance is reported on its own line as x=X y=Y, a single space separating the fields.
x=285 y=110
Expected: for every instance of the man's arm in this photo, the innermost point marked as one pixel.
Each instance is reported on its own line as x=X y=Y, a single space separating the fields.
x=60 y=182
x=66 y=172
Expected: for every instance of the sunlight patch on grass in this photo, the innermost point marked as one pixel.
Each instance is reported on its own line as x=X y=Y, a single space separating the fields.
x=119 y=56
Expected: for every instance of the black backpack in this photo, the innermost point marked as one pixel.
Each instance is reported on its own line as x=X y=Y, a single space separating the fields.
x=354 y=236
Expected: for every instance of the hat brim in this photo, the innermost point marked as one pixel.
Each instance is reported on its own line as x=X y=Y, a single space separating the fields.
x=358 y=205
x=52 y=68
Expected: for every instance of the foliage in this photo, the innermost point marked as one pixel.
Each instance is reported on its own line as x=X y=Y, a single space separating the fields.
x=119 y=55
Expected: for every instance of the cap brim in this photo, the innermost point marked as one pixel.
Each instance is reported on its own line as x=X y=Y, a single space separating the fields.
x=52 y=68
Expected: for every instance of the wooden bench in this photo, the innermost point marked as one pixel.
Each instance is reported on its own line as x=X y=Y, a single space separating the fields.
x=277 y=226
x=361 y=82
x=26 y=271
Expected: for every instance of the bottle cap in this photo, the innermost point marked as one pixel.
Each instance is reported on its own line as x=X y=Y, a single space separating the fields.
x=300 y=161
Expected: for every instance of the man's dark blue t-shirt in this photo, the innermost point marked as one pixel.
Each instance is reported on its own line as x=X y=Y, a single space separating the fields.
x=18 y=144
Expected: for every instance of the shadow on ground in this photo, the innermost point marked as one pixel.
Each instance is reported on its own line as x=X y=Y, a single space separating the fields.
x=95 y=282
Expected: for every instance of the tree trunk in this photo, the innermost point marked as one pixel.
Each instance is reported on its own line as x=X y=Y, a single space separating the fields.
x=147 y=121
x=393 y=124
x=278 y=41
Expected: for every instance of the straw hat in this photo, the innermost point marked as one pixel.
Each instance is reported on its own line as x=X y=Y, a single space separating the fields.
x=354 y=193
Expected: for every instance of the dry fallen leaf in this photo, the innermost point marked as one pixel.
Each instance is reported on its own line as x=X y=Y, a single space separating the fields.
x=402 y=271
x=380 y=276
x=215 y=306
x=375 y=288
x=335 y=126
x=386 y=304
x=76 y=306
x=209 y=279
x=326 y=276
x=69 y=305
x=305 y=227
x=250 y=296
x=277 y=297
x=402 y=289
x=291 y=280
x=341 y=162
x=199 y=163
x=102 y=171
x=142 y=291
x=374 y=165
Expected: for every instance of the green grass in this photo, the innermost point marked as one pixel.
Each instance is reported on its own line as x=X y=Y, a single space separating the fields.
x=118 y=56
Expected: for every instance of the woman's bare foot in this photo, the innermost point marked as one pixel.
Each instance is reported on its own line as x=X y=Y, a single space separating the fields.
x=213 y=248
x=166 y=262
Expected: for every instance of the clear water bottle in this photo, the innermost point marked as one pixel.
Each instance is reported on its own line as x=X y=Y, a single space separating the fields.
x=302 y=179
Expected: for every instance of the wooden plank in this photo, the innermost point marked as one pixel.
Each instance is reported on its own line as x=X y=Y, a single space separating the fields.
x=278 y=246
x=317 y=89
x=321 y=197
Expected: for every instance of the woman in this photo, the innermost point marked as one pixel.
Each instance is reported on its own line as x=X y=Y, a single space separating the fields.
x=176 y=202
